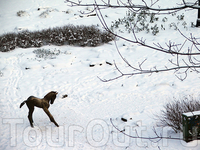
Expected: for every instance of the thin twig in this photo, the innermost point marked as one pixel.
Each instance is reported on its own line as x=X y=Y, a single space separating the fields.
x=141 y=137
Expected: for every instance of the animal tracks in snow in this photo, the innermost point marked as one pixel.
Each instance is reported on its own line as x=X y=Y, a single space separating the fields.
x=15 y=74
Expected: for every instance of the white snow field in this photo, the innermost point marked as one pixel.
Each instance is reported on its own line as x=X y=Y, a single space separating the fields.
x=84 y=116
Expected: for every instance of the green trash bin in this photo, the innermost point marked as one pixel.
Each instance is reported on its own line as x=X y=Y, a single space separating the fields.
x=191 y=126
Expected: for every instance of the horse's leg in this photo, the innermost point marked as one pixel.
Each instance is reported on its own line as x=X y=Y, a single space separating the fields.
x=30 y=114
x=50 y=116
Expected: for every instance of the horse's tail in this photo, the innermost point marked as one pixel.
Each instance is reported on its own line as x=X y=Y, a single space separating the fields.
x=22 y=103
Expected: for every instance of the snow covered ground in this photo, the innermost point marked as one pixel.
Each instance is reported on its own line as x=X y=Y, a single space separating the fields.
x=84 y=116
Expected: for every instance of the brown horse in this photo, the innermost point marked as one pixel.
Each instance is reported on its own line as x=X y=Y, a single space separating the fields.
x=41 y=103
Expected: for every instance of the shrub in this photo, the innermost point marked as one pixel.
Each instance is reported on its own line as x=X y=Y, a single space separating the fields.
x=22 y=13
x=155 y=29
x=46 y=53
x=72 y=35
x=171 y=115
x=146 y=21
x=8 y=42
x=180 y=17
x=143 y=21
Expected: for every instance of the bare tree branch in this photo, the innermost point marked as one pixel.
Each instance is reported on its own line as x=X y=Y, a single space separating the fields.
x=145 y=6
x=138 y=70
x=157 y=137
x=140 y=42
x=184 y=57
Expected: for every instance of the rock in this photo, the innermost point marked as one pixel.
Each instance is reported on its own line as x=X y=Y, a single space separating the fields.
x=64 y=96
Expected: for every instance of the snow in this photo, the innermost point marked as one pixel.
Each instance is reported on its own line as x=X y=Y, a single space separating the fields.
x=84 y=116
x=189 y=114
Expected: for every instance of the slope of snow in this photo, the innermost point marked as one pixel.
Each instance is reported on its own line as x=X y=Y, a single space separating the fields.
x=84 y=116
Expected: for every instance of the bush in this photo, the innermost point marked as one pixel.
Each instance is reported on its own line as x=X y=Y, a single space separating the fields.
x=72 y=35
x=140 y=21
x=146 y=21
x=22 y=13
x=171 y=115
x=46 y=53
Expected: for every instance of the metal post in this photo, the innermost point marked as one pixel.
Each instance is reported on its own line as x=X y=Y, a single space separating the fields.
x=198 y=19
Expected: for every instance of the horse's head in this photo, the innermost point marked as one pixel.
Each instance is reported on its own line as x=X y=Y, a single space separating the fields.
x=51 y=96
